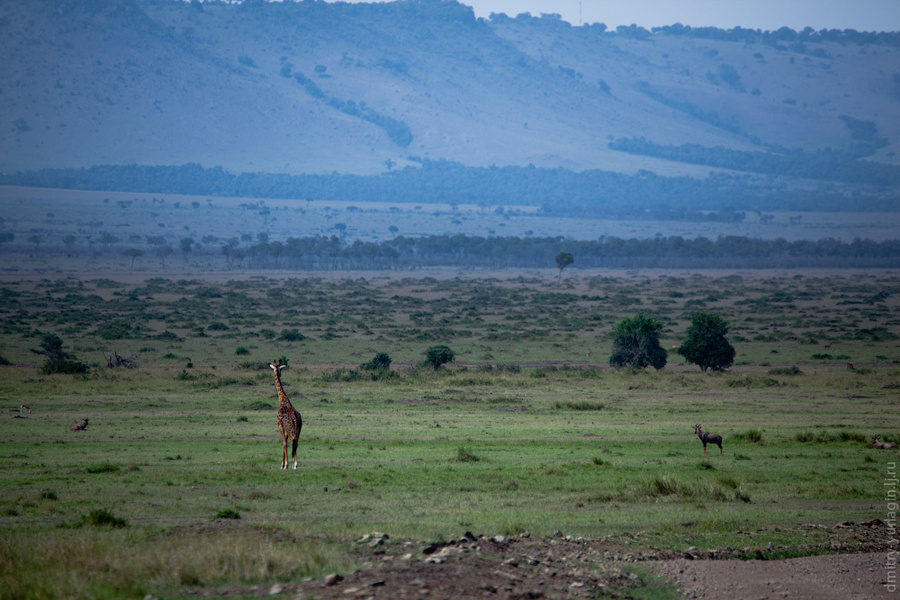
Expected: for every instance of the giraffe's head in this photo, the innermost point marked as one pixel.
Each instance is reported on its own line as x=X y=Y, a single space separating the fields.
x=277 y=366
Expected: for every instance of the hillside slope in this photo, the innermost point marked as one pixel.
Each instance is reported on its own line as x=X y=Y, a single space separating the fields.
x=312 y=87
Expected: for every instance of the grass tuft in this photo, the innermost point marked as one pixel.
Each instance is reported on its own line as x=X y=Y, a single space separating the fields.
x=103 y=468
x=582 y=405
x=754 y=436
x=463 y=454
x=101 y=518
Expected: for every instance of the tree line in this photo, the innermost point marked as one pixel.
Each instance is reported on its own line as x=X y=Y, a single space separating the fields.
x=558 y=191
x=402 y=253
x=827 y=165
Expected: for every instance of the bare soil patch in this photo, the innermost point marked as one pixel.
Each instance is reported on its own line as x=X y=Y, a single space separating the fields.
x=834 y=577
x=564 y=567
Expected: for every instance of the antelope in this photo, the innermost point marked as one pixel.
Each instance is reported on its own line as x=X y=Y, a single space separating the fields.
x=884 y=445
x=708 y=438
x=79 y=426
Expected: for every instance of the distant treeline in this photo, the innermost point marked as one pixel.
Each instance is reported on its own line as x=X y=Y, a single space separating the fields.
x=558 y=191
x=784 y=35
x=841 y=166
x=403 y=253
x=784 y=38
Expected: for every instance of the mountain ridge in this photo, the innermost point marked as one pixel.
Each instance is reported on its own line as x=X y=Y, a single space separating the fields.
x=310 y=87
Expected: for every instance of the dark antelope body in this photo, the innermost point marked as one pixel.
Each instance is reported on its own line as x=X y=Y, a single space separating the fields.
x=708 y=438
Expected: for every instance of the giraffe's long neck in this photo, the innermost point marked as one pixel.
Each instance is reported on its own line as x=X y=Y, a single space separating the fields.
x=282 y=397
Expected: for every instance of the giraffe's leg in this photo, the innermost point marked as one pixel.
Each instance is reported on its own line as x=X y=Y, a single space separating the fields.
x=295 y=452
x=284 y=454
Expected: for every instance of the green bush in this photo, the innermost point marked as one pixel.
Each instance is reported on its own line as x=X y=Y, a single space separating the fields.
x=463 y=454
x=291 y=335
x=380 y=362
x=437 y=356
x=786 y=371
x=103 y=468
x=101 y=518
x=66 y=366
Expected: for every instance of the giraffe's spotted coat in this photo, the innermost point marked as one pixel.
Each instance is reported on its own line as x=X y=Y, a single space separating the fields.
x=288 y=419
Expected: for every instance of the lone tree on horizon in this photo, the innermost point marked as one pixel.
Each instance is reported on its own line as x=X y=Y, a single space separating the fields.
x=563 y=260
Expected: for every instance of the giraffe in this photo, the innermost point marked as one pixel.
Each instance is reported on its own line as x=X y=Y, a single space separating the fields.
x=288 y=419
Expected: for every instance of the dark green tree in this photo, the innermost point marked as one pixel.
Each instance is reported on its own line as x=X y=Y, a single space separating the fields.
x=563 y=260
x=636 y=344
x=380 y=362
x=706 y=345
x=59 y=361
x=438 y=356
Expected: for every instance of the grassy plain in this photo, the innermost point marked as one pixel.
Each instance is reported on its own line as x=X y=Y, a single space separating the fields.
x=528 y=431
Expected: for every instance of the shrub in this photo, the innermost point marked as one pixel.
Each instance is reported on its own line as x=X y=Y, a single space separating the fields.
x=101 y=518
x=437 y=356
x=59 y=361
x=66 y=366
x=786 y=371
x=241 y=351
x=463 y=454
x=115 y=330
x=185 y=376
x=584 y=405
x=380 y=362
x=291 y=335
x=228 y=514
x=103 y=468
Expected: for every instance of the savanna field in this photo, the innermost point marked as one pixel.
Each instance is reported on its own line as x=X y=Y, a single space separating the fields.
x=174 y=487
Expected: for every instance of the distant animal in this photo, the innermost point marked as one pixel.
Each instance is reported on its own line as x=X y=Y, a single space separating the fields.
x=288 y=419
x=850 y=367
x=24 y=409
x=589 y=352
x=708 y=438
x=79 y=426
x=884 y=445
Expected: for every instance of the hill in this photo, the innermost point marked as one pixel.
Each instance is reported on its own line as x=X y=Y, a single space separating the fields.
x=315 y=88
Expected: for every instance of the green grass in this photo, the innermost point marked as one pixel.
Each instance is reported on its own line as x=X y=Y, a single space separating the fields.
x=175 y=455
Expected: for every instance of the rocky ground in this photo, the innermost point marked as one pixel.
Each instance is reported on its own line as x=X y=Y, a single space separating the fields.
x=523 y=567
